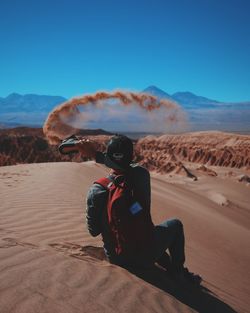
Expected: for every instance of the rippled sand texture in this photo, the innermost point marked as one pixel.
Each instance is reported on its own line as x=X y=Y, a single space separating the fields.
x=49 y=262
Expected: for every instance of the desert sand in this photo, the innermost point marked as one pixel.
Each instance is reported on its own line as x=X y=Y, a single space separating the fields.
x=49 y=262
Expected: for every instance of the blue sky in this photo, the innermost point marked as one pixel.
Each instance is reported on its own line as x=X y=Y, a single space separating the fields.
x=73 y=47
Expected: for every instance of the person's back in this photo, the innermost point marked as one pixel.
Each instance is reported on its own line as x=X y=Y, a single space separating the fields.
x=135 y=220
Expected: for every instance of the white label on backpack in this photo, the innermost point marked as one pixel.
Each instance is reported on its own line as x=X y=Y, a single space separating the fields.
x=135 y=208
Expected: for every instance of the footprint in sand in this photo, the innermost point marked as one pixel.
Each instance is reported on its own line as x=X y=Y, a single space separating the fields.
x=11 y=242
x=4 y=231
x=78 y=251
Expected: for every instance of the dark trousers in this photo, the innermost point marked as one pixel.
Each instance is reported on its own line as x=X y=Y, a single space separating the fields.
x=169 y=235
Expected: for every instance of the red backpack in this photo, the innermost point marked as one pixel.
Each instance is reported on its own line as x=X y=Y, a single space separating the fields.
x=130 y=224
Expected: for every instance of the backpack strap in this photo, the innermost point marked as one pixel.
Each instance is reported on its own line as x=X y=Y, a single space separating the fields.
x=104 y=182
x=107 y=182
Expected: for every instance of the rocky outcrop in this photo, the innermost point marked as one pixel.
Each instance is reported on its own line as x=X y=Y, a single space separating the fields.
x=164 y=154
x=27 y=149
x=28 y=145
x=207 y=171
x=160 y=163
x=210 y=148
x=244 y=178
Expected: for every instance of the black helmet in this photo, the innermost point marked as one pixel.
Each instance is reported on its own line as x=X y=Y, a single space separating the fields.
x=119 y=152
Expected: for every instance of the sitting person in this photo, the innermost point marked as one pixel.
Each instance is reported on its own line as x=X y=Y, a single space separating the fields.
x=129 y=235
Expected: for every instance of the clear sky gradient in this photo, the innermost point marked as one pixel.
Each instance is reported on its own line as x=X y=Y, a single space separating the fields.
x=72 y=47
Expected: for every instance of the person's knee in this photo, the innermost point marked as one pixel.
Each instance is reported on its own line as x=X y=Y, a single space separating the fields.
x=174 y=224
x=178 y=224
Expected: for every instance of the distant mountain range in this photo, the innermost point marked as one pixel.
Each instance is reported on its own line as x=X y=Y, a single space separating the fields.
x=29 y=103
x=203 y=113
x=208 y=114
x=30 y=109
x=189 y=100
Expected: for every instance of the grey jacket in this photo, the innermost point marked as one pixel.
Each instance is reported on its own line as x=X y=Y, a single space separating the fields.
x=96 y=210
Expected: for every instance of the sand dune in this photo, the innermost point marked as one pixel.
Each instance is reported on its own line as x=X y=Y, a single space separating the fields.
x=49 y=262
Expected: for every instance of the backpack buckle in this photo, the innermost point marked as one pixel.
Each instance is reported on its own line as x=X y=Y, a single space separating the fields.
x=110 y=184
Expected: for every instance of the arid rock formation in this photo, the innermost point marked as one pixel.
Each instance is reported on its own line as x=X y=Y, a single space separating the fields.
x=209 y=148
x=164 y=154
x=28 y=145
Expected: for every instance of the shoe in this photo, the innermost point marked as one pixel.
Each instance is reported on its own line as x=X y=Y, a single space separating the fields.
x=186 y=277
x=69 y=142
x=165 y=262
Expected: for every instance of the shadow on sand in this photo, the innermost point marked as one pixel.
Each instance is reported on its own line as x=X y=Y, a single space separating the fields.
x=200 y=298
